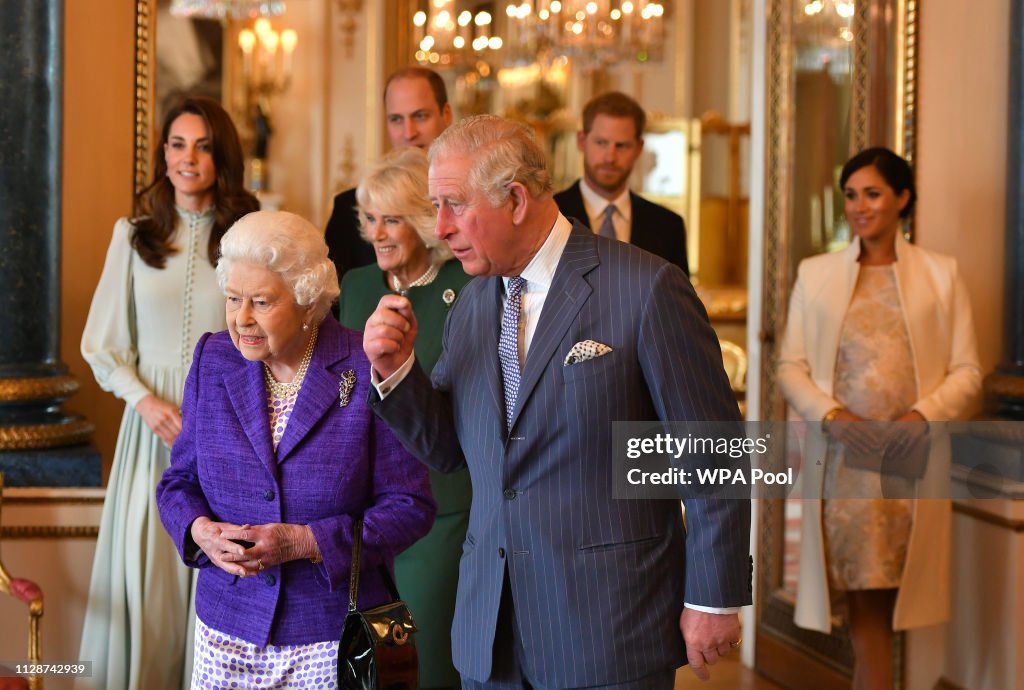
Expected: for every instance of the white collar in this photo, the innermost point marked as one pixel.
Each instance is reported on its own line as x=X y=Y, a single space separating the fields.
x=595 y=204
x=541 y=270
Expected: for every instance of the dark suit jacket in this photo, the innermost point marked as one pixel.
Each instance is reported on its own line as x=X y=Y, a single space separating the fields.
x=598 y=584
x=345 y=246
x=333 y=464
x=655 y=228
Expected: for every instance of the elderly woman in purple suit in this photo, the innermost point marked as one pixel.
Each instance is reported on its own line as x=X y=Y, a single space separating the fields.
x=277 y=456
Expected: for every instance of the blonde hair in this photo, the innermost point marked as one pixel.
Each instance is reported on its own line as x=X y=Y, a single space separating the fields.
x=291 y=247
x=397 y=186
x=502 y=151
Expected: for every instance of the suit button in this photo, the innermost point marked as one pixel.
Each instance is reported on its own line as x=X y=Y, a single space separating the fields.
x=270 y=580
x=501 y=552
x=510 y=494
x=268 y=495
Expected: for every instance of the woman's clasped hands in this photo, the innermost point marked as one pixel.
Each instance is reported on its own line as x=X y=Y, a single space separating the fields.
x=245 y=550
x=865 y=436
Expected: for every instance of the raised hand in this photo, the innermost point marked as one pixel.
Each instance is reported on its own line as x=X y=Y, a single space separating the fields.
x=390 y=334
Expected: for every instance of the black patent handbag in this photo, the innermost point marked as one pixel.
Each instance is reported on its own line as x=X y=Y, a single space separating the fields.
x=377 y=650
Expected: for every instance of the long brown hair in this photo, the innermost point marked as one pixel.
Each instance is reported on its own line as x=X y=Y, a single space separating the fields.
x=155 y=217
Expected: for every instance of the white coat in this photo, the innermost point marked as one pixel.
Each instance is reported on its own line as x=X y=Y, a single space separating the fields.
x=938 y=318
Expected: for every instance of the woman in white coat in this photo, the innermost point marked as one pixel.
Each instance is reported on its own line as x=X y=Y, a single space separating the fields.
x=879 y=331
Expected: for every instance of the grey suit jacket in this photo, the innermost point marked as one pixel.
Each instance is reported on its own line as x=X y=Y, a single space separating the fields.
x=598 y=584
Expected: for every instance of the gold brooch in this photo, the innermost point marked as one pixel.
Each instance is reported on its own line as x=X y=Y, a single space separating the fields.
x=345 y=387
x=448 y=296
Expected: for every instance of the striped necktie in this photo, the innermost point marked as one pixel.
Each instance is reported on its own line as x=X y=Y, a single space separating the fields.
x=508 y=344
x=607 y=226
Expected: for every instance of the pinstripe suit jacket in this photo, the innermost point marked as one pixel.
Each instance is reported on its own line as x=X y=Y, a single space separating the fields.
x=598 y=584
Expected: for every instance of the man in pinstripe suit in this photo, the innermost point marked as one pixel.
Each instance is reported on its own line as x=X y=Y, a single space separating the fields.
x=562 y=586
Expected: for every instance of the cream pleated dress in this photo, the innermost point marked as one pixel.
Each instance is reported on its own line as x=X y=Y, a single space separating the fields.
x=142 y=328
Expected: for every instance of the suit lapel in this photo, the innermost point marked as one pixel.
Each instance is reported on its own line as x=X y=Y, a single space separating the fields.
x=568 y=291
x=248 y=397
x=319 y=390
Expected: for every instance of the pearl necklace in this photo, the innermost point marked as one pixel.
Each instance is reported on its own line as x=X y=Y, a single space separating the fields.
x=291 y=389
x=426 y=279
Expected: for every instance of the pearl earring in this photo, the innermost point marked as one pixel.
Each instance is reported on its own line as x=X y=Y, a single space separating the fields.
x=305 y=327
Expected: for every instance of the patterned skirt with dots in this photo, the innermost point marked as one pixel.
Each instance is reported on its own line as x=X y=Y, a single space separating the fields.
x=226 y=662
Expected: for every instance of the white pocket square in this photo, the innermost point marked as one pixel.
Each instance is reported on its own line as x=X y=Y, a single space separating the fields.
x=584 y=350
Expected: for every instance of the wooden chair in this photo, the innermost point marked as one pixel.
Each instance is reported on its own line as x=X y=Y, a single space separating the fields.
x=29 y=593
x=734 y=359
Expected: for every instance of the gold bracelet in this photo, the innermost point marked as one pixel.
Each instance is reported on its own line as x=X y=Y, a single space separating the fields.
x=829 y=416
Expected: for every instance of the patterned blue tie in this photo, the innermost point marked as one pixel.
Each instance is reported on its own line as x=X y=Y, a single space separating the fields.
x=607 y=226
x=508 y=344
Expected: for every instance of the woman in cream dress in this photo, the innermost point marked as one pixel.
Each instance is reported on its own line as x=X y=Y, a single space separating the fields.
x=879 y=331
x=158 y=293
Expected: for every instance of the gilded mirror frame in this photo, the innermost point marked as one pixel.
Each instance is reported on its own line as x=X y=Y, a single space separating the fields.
x=145 y=55
x=877 y=50
x=146 y=129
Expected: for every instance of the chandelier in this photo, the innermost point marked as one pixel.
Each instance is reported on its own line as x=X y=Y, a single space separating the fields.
x=823 y=35
x=445 y=37
x=830 y=18
x=531 y=31
x=227 y=9
x=594 y=31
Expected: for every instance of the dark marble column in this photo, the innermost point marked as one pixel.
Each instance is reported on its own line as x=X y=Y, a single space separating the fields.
x=33 y=382
x=1005 y=387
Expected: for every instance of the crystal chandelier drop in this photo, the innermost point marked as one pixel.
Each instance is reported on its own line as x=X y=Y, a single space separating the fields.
x=590 y=31
x=227 y=9
x=445 y=37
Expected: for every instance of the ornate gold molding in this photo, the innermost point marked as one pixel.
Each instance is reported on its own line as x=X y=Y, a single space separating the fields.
x=349 y=10
x=37 y=388
x=32 y=436
x=779 y=98
x=860 y=97
x=907 y=55
x=49 y=532
x=347 y=165
x=145 y=11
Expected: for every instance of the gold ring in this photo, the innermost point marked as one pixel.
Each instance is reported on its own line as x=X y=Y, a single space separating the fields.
x=736 y=644
x=259 y=564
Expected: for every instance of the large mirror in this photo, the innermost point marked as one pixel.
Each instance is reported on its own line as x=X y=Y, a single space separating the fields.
x=840 y=77
x=188 y=47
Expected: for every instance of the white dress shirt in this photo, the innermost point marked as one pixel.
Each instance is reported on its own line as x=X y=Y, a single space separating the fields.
x=595 y=204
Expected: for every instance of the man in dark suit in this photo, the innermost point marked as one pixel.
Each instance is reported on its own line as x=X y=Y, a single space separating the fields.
x=611 y=141
x=561 y=585
x=416 y=109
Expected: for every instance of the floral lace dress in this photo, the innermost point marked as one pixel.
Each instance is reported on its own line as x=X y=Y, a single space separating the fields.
x=866 y=535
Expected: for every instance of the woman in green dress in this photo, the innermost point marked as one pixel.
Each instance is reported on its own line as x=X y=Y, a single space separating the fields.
x=398 y=220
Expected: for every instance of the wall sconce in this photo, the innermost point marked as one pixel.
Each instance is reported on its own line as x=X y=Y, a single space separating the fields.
x=266 y=72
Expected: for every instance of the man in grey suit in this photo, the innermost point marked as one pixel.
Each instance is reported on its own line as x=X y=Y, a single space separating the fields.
x=560 y=584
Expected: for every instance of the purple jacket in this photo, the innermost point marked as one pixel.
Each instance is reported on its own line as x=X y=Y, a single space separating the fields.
x=333 y=463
